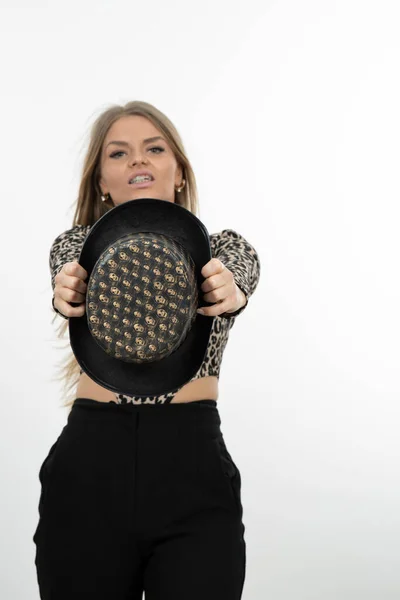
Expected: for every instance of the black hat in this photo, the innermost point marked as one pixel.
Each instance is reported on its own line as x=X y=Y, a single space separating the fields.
x=141 y=334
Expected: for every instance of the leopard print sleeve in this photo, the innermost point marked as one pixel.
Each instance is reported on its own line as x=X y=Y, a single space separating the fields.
x=239 y=256
x=66 y=248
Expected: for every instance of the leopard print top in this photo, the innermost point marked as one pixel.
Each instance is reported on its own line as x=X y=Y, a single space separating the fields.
x=229 y=246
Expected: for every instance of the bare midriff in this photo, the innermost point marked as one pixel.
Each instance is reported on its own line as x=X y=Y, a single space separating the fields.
x=199 y=389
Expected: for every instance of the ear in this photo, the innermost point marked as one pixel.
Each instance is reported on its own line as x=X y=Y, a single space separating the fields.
x=102 y=186
x=178 y=175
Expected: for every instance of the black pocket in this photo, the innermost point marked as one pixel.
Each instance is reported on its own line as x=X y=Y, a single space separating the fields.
x=230 y=472
x=46 y=460
x=43 y=478
x=44 y=473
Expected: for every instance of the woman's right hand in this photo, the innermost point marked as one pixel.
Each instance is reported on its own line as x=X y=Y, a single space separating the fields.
x=70 y=287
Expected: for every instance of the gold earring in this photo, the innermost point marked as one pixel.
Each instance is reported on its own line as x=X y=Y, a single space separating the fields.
x=106 y=197
x=179 y=189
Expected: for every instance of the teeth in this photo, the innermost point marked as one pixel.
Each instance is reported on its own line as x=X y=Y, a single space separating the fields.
x=140 y=178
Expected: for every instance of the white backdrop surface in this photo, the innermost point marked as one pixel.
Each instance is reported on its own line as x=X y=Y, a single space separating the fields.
x=289 y=114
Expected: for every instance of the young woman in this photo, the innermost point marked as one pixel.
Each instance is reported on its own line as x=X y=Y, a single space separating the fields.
x=141 y=494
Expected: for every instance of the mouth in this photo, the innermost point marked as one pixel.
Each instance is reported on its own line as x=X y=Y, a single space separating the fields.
x=143 y=179
x=142 y=184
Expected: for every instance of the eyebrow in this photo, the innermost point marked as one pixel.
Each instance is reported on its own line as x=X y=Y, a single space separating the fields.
x=147 y=140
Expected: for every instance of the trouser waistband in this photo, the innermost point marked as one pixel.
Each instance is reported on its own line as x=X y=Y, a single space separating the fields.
x=201 y=412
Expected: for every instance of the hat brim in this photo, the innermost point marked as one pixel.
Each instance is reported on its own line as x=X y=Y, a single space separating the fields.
x=170 y=373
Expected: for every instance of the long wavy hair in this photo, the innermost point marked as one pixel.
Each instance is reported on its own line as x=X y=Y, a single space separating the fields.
x=90 y=207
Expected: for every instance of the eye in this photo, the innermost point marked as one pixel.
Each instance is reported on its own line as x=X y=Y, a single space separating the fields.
x=114 y=154
x=157 y=148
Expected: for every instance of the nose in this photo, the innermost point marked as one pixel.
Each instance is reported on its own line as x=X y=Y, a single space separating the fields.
x=138 y=159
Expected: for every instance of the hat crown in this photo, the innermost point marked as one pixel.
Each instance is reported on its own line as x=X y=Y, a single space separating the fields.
x=142 y=297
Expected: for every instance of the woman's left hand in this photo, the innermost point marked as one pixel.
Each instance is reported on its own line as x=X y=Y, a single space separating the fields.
x=220 y=287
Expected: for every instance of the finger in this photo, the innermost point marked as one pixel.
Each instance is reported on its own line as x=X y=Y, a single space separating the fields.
x=217 y=295
x=69 y=295
x=213 y=267
x=213 y=311
x=70 y=311
x=75 y=269
x=75 y=283
x=218 y=280
x=213 y=282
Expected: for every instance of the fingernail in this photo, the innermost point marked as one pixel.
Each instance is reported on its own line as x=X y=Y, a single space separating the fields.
x=200 y=311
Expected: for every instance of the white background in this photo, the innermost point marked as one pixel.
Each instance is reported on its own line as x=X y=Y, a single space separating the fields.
x=289 y=112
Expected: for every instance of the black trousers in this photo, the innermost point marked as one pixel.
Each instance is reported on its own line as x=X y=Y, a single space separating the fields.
x=140 y=498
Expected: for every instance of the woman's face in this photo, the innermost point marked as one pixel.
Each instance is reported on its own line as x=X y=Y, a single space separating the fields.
x=127 y=151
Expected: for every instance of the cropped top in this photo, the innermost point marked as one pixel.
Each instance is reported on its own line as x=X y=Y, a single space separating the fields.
x=236 y=253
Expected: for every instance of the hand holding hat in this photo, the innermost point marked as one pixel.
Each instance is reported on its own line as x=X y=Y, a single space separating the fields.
x=70 y=290
x=220 y=288
x=141 y=334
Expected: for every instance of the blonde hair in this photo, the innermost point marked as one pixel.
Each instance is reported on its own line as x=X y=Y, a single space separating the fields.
x=90 y=207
